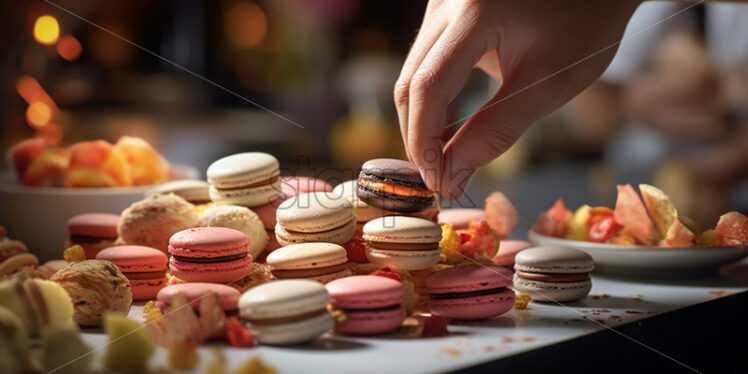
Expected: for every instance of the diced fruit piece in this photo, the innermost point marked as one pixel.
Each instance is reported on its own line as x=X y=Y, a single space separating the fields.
x=151 y=312
x=501 y=215
x=578 y=227
x=522 y=300
x=47 y=168
x=129 y=347
x=23 y=154
x=183 y=356
x=733 y=227
x=387 y=273
x=147 y=166
x=356 y=249
x=239 y=336
x=65 y=352
x=450 y=239
x=603 y=229
x=678 y=235
x=75 y=253
x=434 y=326
x=481 y=240
x=632 y=215
x=554 y=221
x=660 y=208
x=708 y=238
x=97 y=164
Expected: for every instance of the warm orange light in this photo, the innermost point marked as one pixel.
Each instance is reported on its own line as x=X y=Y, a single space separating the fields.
x=46 y=30
x=245 y=24
x=38 y=114
x=31 y=91
x=69 y=48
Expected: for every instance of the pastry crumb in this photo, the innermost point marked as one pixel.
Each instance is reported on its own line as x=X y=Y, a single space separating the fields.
x=521 y=301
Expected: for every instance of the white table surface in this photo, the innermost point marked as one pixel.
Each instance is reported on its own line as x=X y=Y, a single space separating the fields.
x=612 y=301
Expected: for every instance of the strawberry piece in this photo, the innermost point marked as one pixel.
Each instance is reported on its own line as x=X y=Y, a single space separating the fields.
x=554 y=221
x=733 y=227
x=387 y=273
x=356 y=249
x=434 y=326
x=239 y=336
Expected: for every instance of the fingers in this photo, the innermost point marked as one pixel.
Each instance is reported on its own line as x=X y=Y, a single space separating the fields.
x=435 y=83
x=432 y=27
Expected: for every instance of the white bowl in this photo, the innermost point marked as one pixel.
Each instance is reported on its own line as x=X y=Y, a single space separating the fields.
x=38 y=215
x=636 y=260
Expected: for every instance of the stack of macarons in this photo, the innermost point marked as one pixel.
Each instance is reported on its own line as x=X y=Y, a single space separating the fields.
x=395 y=185
x=248 y=179
x=555 y=274
x=210 y=254
x=403 y=242
x=319 y=261
x=315 y=217
x=92 y=231
x=144 y=267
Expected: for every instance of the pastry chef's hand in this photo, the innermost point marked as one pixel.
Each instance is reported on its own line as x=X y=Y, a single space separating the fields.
x=544 y=53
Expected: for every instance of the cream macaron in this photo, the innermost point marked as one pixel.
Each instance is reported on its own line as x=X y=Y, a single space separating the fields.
x=555 y=274
x=315 y=217
x=321 y=262
x=287 y=311
x=248 y=179
x=404 y=242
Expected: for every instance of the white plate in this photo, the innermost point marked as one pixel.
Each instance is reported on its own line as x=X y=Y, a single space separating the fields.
x=649 y=260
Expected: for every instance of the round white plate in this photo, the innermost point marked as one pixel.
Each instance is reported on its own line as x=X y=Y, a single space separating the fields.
x=650 y=260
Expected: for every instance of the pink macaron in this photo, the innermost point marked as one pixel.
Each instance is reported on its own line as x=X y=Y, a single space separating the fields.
x=210 y=254
x=228 y=297
x=508 y=249
x=371 y=303
x=460 y=218
x=145 y=267
x=92 y=231
x=470 y=292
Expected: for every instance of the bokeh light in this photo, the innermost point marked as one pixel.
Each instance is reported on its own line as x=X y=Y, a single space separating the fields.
x=38 y=114
x=46 y=30
x=31 y=91
x=69 y=48
x=245 y=24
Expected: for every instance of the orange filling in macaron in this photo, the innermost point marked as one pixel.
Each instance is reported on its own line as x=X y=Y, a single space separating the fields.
x=394 y=189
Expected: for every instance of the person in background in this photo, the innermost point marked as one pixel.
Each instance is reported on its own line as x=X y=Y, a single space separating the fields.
x=544 y=53
x=673 y=105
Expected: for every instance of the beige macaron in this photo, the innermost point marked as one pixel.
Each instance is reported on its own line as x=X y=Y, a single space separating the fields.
x=289 y=311
x=315 y=217
x=554 y=274
x=248 y=179
x=403 y=242
x=319 y=261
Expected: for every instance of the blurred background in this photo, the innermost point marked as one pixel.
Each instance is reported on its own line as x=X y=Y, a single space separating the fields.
x=671 y=110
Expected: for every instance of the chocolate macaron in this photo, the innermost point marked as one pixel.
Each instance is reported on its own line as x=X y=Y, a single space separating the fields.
x=393 y=184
